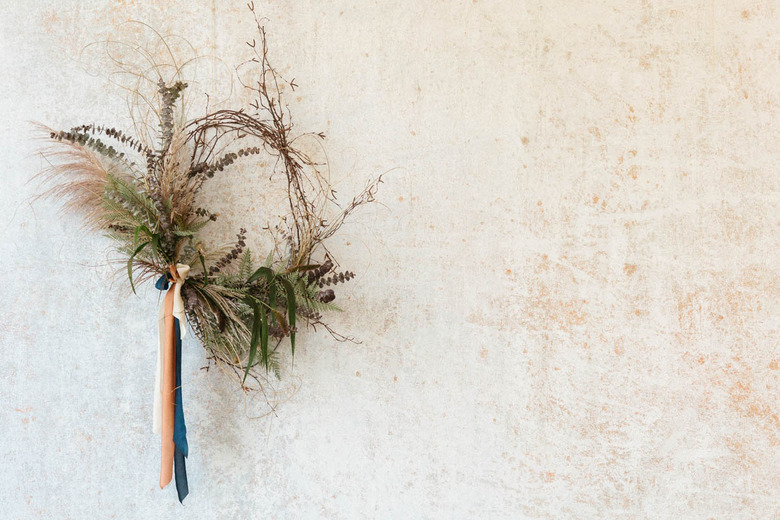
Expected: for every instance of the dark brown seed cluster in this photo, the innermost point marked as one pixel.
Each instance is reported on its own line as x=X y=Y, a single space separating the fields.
x=220 y=164
x=88 y=141
x=315 y=274
x=206 y=214
x=336 y=278
x=113 y=133
x=169 y=96
x=326 y=296
x=231 y=255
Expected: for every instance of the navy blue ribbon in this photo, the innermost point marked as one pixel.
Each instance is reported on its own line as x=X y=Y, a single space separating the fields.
x=179 y=429
x=181 y=447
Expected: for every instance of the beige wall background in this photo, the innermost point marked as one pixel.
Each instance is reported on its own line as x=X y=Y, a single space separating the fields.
x=567 y=298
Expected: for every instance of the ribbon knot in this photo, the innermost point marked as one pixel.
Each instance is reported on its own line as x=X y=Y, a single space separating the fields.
x=168 y=409
x=162 y=283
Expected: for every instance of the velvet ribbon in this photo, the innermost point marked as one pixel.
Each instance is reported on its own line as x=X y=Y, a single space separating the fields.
x=168 y=409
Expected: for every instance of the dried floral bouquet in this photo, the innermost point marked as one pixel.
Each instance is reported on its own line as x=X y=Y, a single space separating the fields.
x=144 y=195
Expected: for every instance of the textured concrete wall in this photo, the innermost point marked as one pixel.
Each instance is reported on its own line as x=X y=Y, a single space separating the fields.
x=568 y=301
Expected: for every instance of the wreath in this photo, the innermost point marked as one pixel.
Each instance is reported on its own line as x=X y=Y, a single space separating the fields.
x=146 y=197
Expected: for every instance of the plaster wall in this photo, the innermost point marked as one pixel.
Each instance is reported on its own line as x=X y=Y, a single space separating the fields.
x=567 y=300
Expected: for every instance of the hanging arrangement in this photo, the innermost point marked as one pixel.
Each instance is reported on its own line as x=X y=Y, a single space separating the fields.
x=145 y=195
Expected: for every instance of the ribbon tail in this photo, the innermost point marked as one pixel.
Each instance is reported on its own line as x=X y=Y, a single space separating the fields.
x=162 y=284
x=182 y=488
x=179 y=427
x=168 y=393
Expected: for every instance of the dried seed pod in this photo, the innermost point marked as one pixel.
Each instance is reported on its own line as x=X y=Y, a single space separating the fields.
x=220 y=164
x=336 y=278
x=315 y=274
x=206 y=213
x=326 y=296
